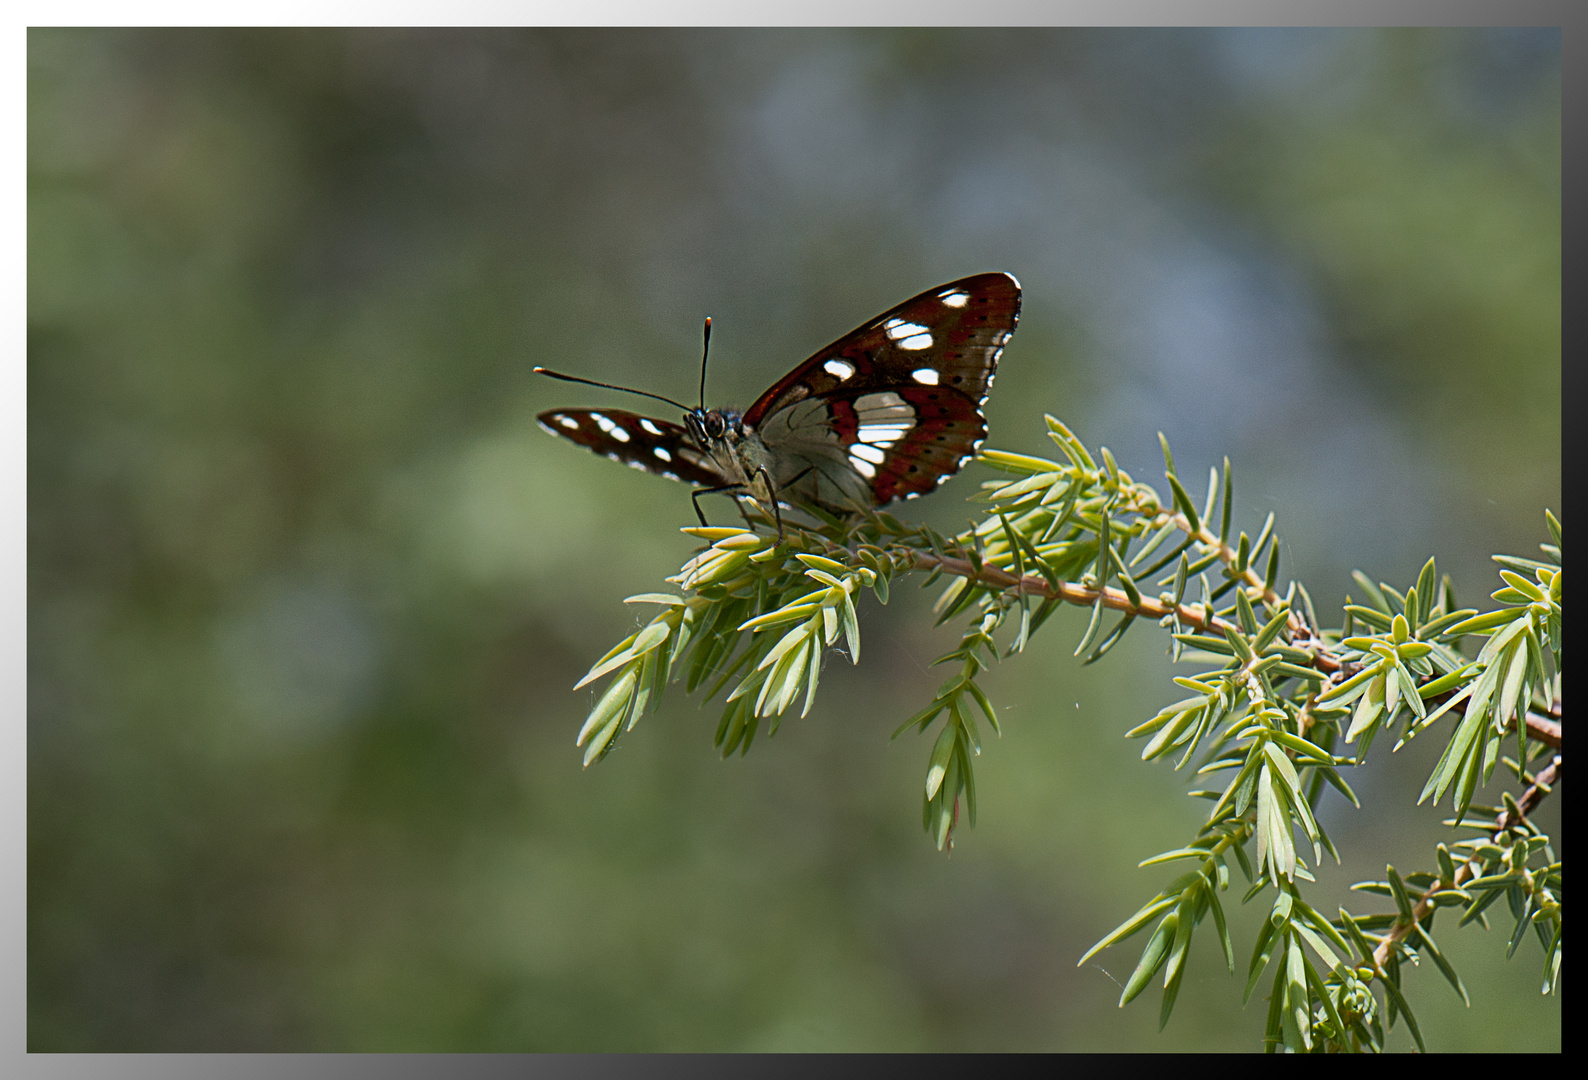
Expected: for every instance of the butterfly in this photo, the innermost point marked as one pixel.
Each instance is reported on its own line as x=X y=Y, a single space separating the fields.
x=892 y=409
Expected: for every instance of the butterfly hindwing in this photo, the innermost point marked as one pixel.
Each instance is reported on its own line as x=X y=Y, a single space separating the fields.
x=640 y=442
x=948 y=428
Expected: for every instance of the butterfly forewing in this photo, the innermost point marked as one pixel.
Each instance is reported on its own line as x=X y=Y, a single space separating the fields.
x=955 y=331
x=640 y=442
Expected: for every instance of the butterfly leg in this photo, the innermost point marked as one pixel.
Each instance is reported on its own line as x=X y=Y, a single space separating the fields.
x=694 y=497
x=772 y=493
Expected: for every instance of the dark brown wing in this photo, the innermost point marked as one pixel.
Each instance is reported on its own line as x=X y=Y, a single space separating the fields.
x=894 y=408
x=640 y=442
x=956 y=331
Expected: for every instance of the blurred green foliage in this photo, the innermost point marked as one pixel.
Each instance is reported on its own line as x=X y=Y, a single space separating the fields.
x=307 y=589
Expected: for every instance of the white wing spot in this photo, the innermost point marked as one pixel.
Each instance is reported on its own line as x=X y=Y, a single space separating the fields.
x=898 y=329
x=883 y=406
x=925 y=376
x=568 y=422
x=916 y=342
x=640 y=465
x=862 y=466
x=882 y=434
x=648 y=426
x=839 y=369
x=661 y=452
x=609 y=427
x=874 y=454
x=954 y=298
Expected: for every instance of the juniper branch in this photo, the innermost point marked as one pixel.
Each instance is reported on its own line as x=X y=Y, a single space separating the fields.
x=1538 y=788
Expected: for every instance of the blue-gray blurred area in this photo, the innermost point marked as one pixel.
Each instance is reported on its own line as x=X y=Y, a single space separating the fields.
x=308 y=589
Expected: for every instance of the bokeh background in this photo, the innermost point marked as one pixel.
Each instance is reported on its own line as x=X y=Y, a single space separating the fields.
x=308 y=589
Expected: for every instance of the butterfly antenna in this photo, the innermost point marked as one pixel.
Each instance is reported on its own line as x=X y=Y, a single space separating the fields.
x=610 y=386
x=705 y=350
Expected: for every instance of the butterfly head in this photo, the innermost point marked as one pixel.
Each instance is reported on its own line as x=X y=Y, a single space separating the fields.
x=710 y=426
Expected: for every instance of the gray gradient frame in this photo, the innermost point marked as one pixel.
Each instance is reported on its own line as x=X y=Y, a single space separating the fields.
x=1570 y=17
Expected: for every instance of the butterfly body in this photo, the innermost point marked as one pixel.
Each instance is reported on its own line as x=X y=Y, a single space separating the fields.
x=891 y=409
